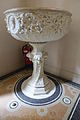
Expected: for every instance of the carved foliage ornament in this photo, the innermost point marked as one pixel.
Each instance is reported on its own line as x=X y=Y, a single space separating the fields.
x=22 y=23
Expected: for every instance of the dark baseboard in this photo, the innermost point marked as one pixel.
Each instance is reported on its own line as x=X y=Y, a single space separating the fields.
x=12 y=73
x=70 y=82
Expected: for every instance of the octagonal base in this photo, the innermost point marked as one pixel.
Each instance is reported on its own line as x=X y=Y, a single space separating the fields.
x=42 y=89
x=27 y=95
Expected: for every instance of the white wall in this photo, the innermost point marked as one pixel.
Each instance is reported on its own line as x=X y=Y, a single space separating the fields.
x=66 y=52
x=64 y=55
x=10 y=49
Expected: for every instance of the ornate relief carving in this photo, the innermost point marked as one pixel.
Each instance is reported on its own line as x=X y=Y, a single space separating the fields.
x=25 y=22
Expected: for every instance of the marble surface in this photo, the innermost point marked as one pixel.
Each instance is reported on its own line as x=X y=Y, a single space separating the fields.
x=12 y=108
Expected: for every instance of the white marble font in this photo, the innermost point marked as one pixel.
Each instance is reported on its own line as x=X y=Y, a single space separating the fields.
x=37 y=26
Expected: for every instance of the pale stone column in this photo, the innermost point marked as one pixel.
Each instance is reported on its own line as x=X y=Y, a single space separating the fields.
x=38 y=83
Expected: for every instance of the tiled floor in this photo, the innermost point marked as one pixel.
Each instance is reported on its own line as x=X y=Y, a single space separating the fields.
x=11 y=108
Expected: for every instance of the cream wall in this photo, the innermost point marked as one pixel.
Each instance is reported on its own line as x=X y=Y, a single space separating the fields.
x=64 y=55
x=10 y=49
x=67 y=50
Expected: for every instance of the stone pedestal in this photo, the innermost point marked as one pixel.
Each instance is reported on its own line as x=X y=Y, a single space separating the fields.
x=38 y=84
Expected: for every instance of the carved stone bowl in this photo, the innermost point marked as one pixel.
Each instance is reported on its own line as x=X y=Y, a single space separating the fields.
x=37 y=25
